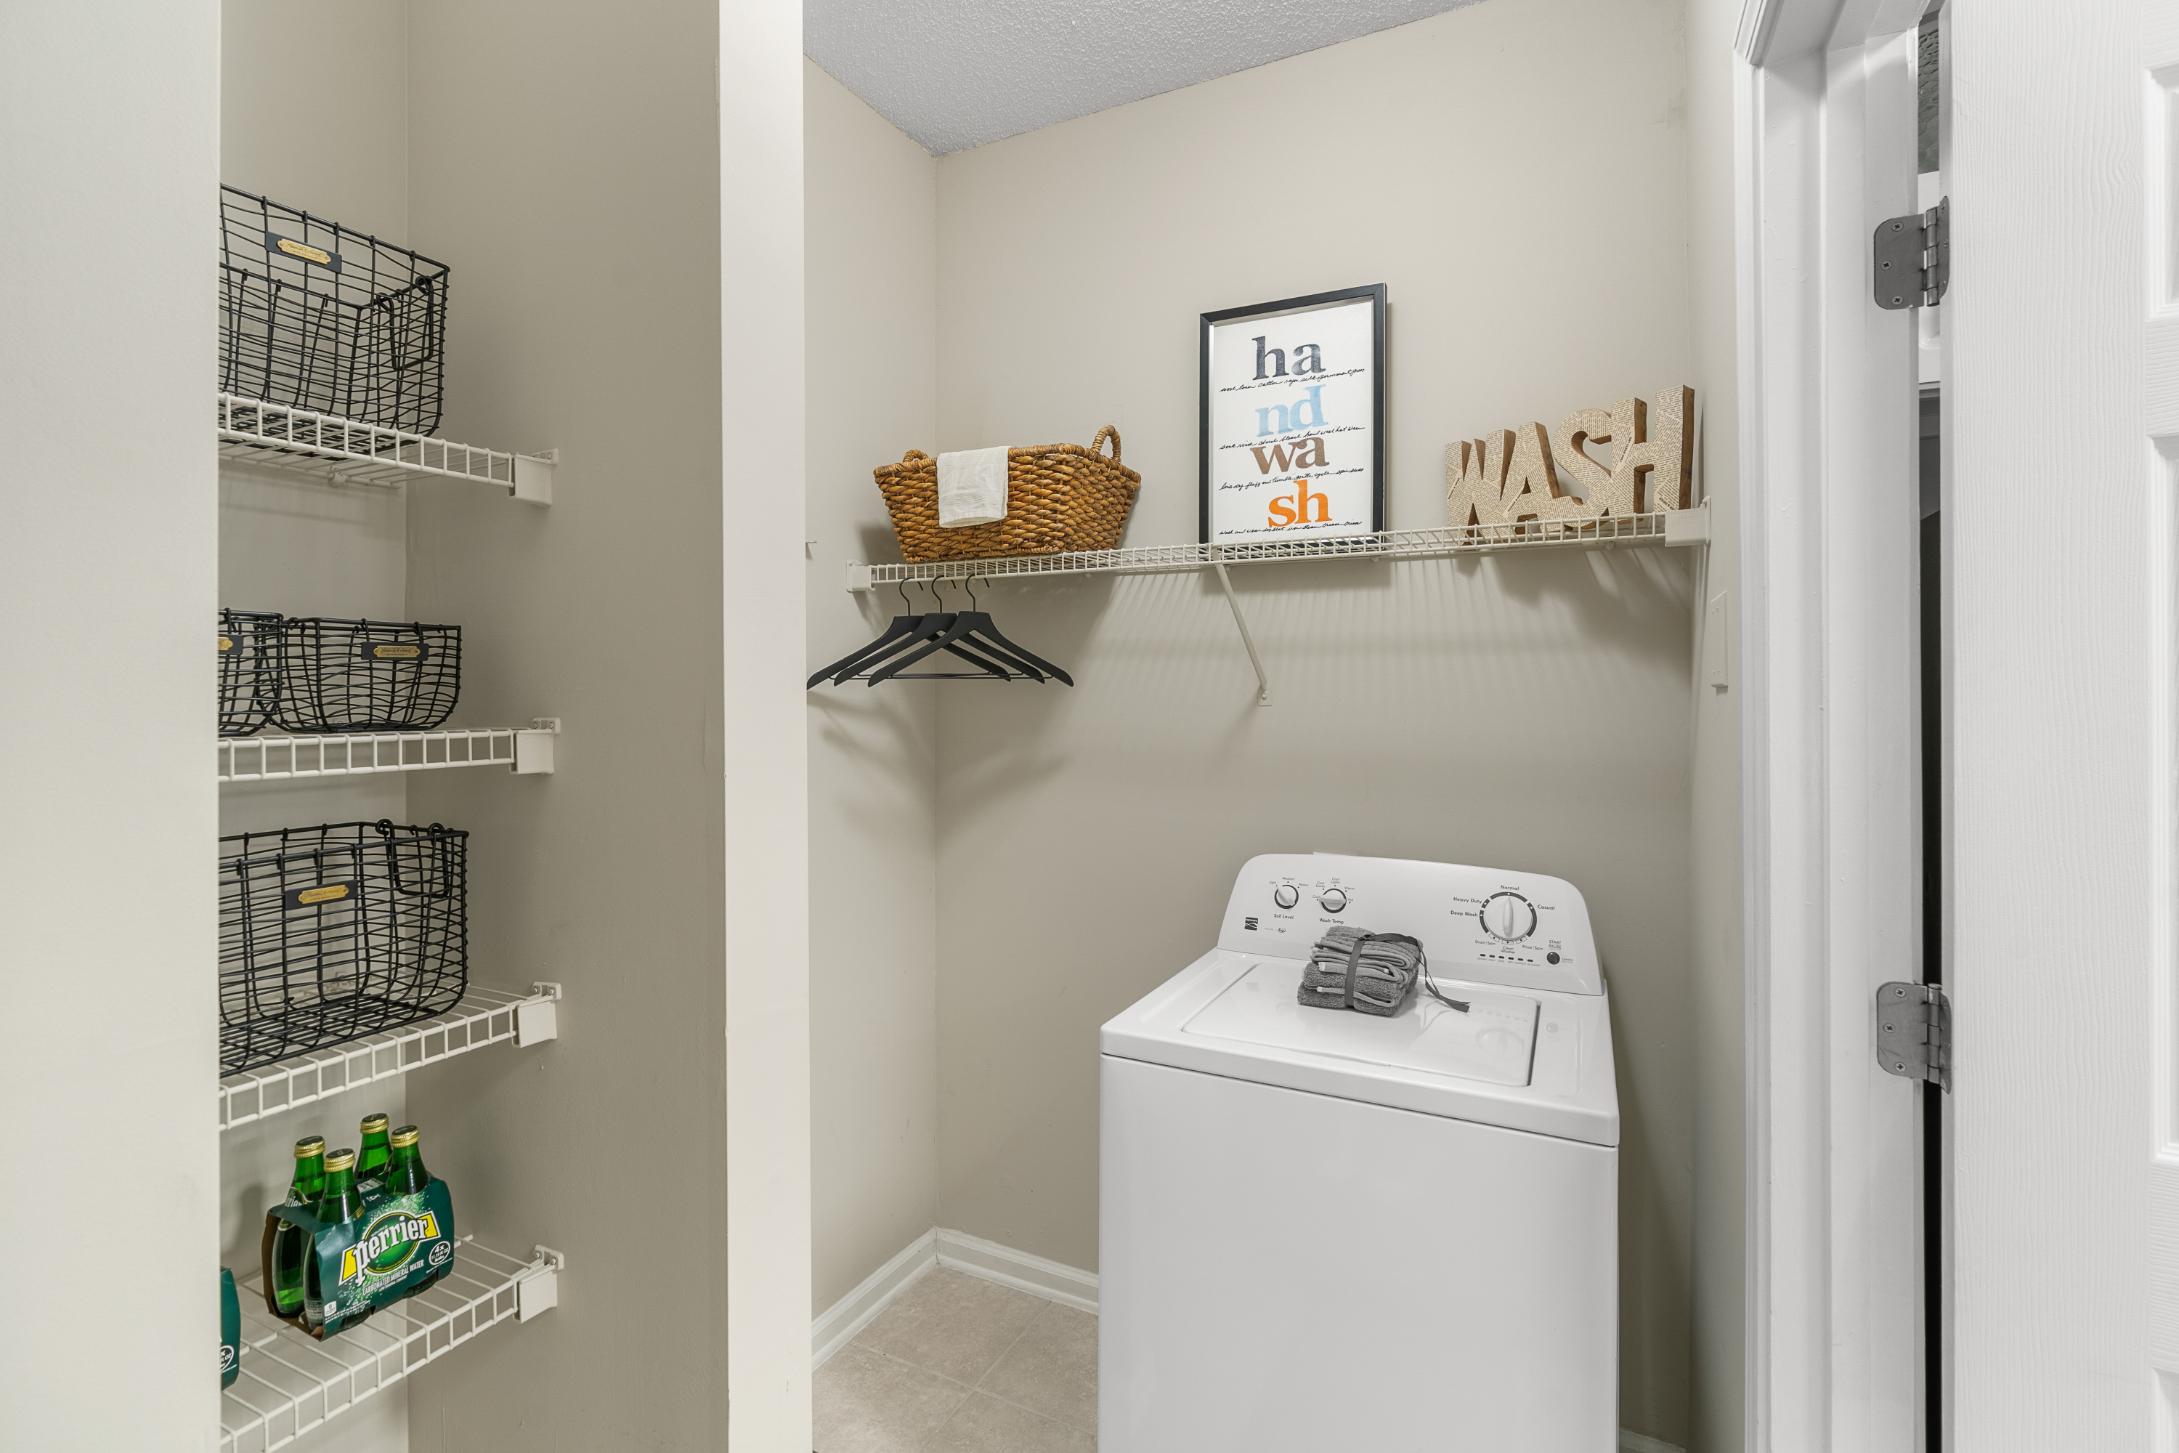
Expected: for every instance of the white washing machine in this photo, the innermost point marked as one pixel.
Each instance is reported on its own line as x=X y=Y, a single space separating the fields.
x=1327 y=1232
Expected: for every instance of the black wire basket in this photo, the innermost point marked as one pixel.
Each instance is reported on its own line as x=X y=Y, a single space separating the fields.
x=319 y=317
x=331 y=933
x=249 y=670
x=367 y=676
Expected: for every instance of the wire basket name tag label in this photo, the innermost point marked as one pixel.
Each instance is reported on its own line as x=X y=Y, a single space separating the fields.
x=226 y=643
x=303 y=250
x=318 y=895
x=394 y=651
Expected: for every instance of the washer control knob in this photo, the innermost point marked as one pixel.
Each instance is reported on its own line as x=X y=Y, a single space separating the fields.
x=1332 y=900
x=1508 y=917
x=1286 y=895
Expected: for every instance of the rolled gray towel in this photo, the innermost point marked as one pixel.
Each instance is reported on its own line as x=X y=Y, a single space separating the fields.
x=1351 y=968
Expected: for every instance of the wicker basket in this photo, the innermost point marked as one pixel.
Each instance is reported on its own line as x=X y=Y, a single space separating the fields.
x=1060 y=497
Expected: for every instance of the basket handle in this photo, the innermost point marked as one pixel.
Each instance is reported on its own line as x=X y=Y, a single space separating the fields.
x=1107 y=432
x=913 y=455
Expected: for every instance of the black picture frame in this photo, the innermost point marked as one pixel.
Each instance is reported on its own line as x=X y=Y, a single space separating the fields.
x=1375 y=293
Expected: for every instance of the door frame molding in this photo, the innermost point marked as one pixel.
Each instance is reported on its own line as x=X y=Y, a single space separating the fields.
x=1825 y=115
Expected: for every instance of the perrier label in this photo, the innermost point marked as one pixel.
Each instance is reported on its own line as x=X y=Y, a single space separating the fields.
x=390 y=1241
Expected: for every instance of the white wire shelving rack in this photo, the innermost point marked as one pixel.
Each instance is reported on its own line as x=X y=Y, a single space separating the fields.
x=1671 y=529
x=483 y=1018
x=526 y=750
x=344 y=451
x=290 y=1383
x=1664 y=527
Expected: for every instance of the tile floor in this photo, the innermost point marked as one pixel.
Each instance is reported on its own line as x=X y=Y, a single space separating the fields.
x=961 y=1365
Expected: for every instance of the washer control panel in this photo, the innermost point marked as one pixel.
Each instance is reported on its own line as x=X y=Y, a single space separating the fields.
x=1483 y=925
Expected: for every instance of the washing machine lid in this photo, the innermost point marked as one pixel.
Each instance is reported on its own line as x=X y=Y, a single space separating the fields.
x=1233 y=1014
x=1493 y=1040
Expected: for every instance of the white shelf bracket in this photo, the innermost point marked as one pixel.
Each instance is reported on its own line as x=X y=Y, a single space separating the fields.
x=538 y=1019
x=1688 y=526
x=533 y=476
x=1248 y=642
x=539 y=1292
x=858 y=577
x=533 y=746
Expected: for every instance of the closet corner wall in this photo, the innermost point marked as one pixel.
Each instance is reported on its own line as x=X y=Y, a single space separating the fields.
x=762 y=407
x=1718 y=1274
x=873 y=331
x=108 y=1031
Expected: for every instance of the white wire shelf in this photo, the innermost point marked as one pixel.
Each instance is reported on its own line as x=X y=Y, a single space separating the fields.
x=1664 y=527
x=483 y=1018
x=527 y=750
x=347 y=452
x=1667 y=528
x=291 y=1383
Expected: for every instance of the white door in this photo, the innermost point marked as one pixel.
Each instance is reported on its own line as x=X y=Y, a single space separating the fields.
x=2062 y=458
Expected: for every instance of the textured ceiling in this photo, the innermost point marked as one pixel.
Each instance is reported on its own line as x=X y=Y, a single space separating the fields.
x=959 y=73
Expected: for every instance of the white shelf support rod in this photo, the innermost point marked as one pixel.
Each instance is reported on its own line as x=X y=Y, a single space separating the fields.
x=1248 y=642
x=533 y=746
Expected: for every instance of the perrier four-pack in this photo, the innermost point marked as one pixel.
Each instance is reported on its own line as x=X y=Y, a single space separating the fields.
x=356 y=1235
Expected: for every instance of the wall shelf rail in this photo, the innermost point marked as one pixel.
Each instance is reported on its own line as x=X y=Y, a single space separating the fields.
x=1672 y=529
x=525 y=750
x=343 y=451
x=483 y=1018
x=1665 y=527
x=291 y=1383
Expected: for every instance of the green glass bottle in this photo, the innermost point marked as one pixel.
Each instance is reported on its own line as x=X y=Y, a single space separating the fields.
x=308 y=1182
x=405 y=1171
x=340 y=1203
x=283 y=1246
x=374 y=1151
x=405 y=1174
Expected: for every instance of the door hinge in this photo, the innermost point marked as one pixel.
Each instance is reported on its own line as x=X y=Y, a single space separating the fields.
x=1913 y=257
x=1914 y=1032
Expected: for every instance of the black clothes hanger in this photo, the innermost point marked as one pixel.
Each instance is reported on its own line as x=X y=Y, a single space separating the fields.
x=993 y=663
x=949 y=633
x=987 y=629
x=1021 y=662
x=904 y=629
x=904 y=632
x=977 y=628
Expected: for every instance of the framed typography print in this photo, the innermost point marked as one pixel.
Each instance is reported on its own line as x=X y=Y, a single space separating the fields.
x=1293 y=419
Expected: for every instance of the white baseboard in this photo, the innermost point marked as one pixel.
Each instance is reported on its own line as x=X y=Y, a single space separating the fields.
x=860 y=1307
x=1066 y=1285
x=1018 y=1269
x=961 y=1251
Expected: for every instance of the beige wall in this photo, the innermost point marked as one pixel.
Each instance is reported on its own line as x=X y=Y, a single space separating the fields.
x=1720 y=1121
x=872 y=274
x=1518 y=175
x=564 y=162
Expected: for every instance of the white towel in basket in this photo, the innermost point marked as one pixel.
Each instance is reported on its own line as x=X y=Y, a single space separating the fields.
x=971 y=487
